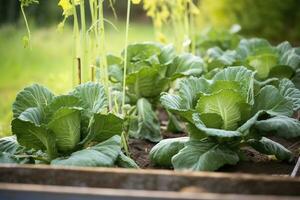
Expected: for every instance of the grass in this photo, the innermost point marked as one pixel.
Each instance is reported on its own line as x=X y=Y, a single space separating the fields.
x=49 y=62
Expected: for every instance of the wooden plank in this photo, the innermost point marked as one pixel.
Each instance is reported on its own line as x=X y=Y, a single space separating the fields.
x=158 y=180
x=38 y=192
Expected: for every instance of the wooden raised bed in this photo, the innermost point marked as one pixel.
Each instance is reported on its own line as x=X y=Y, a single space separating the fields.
x=28 y=182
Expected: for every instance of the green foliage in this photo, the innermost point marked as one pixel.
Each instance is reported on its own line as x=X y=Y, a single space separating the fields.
x=270 y=147
x=204 y=155
x=64 y=130
x=44 y=64
x=226 y=113
x=267 y=60
x=271 y=63
x=221 y=38
x=148 y=126
x=104 y=154
x=151 y=68
x=126 y=162
x=162 y=153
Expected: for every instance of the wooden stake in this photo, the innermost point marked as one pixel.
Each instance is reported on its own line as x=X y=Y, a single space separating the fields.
x=79 y=70
x=93 y=73
x=296 y=169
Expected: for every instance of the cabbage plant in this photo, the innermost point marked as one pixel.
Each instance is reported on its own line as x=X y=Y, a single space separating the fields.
x=73 y=129
x=151 y=69
x=225 y=114
x=269 y=62
x=215 y=37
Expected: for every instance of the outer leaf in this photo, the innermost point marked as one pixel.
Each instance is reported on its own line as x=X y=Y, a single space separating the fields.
x=269 y=99
x=8 y=158
x=244 y=129
x=115 y=69
x=282 y=71
x=288 y=90
x=146 y=82
x=281 y=126
x=174 y=125
x=32 y=136
x=194 y=132
x=168 y=53
x=162 y=153
x=259 y=54
x=126 y=162
x=92 y=97
x=65 y=125
x=224 y=103
x=174 y=103
x=63 y=101
x=217 y=58
x=224 y=39
x=104 y=127
x=115 y=73
x=204 y=155
x=10 y=145
x=184 y=103
x=213 y=131
x=114 y=60
x=142 y=52
x=185 y=65
x=32 y=96
x=296 y=79
x=148 y=124
x=31 y=133
x=284 y=47
x=33 y=115
x=288 y=55
x=101 y=155
x=190 y=90
x=269 y=147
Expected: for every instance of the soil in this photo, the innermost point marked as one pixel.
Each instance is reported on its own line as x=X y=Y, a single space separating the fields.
x=255 y=162
x=139 y=150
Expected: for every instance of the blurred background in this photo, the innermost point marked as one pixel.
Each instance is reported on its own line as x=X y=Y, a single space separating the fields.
x=49 y=62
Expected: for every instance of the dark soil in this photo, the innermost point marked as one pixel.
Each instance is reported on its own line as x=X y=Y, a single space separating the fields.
x=256 y=162
x=139 y=150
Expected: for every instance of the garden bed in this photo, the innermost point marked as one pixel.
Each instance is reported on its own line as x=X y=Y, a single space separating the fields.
x=103 y=183
x=255 y=163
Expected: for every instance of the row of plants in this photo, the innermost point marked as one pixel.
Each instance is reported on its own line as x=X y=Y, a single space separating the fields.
x=223 y=112
x=224 y=91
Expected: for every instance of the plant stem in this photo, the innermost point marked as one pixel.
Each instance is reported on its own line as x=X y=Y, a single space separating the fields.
x=75 y=43
x=103 y=60
x=125 y=53
x=124 y=142
x=192 y=34
x=186 y=21
x=85 y=68
x=93 y=44
x=27 y=26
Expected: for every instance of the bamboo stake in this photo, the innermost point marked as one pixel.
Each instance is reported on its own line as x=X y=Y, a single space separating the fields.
x=79 y=70
x=125 y=54
x=296 y=169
